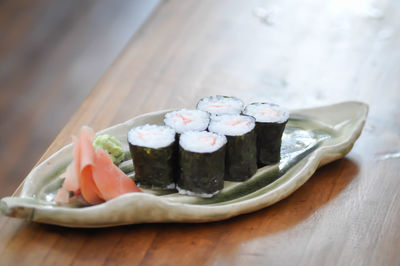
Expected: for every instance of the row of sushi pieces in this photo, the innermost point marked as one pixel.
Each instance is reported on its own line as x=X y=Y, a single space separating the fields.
x=197 y=150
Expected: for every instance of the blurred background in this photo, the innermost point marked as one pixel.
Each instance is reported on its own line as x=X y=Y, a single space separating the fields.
x=52 y=53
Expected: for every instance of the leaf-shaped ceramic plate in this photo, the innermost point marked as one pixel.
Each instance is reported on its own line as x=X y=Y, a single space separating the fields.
x=312 y=138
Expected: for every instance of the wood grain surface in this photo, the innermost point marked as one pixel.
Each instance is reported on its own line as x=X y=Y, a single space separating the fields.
x=298 y=54
x=52 y=53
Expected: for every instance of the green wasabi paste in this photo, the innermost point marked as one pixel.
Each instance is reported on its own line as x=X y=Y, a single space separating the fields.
x=111 y=145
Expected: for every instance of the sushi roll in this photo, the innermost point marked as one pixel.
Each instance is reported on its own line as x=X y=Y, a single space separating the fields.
x=152 y=149
x=241 y=150
x=221 y=105
x=202 y=163
x=271 y=120
x=185 y=120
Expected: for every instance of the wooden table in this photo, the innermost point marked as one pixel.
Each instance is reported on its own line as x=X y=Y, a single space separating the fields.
x=298 y=54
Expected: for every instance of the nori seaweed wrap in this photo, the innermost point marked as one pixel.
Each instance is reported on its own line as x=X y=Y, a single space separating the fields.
x=271 y=120
x=220 y=105
x=202 y=163
x=241 y=150
x=153 y=152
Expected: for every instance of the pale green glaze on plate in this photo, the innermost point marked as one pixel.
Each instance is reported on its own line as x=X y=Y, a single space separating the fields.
x=312 y=138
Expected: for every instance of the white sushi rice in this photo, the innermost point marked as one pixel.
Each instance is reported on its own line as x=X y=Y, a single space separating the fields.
x=231 y=125
x=185 y=120
x=201 y=141
x=150 y=189
x=220 y=105
x=191 y=193
x=151 y=136
x=267 y=112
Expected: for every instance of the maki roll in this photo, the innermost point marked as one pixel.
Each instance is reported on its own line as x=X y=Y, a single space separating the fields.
x=221 y=105
x=241 y=150
x=271 y=120
x=185 y=120
x=202 y=163
x=152 y=150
